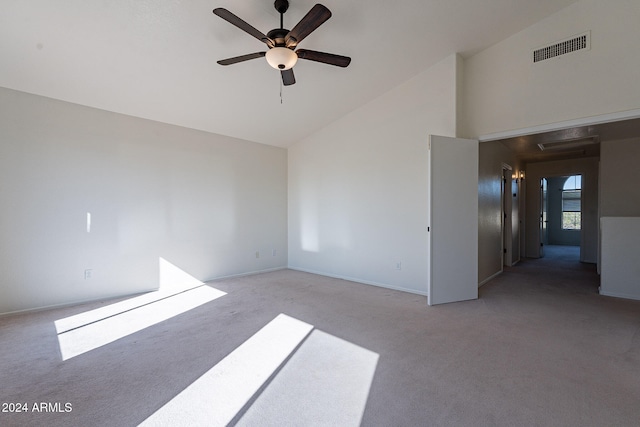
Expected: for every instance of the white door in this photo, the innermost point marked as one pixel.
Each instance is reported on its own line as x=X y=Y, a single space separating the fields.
x=453 y=219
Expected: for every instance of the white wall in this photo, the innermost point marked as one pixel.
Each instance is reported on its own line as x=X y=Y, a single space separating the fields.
x=620 y=268
x=619 y=177
x=358 y=188
x=619 y=202
x=504 y=90
x=490 y=239
x=588 y=168
x=204 y=202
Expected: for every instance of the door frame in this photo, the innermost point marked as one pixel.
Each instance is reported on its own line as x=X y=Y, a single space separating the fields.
x=528 y=239
x=505 y=217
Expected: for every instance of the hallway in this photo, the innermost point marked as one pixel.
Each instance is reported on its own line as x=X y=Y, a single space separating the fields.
x=560 y=270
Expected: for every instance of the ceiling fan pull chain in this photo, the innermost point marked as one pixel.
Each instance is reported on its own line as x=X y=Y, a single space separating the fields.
x=280 y=90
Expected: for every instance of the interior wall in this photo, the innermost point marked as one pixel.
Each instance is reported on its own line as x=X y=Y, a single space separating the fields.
x=620 y=213
x=490 y=239
x=203 y=202
x=588 y=168
x=620 y=268
x=619 y=177
x=358 y=188
x=505 y=90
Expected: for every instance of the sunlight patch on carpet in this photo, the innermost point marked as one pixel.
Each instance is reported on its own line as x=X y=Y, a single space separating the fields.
x=179 y=292
x=218 y=395
x=320 y=380
x=326 y=382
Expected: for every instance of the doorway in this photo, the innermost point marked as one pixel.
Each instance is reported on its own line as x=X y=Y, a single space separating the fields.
x=561 y=216
x=570 y=147
x=509 y=192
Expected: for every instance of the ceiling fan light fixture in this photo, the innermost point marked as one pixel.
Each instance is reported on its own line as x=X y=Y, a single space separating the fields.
x=281 y=58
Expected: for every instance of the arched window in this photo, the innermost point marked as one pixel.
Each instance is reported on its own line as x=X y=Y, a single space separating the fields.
x=572 y=203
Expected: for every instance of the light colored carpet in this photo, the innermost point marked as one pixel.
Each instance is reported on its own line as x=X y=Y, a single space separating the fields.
x=539 y=348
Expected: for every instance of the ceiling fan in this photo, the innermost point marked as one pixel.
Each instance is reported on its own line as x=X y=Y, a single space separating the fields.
x=282 y=42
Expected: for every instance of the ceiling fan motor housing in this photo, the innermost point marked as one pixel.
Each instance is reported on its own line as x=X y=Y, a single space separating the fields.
x=278 y=36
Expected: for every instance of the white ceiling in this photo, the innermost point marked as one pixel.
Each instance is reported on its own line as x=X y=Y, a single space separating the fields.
x=156 y=59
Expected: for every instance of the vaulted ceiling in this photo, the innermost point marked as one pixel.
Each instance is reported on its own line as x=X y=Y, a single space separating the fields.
x=156 y=59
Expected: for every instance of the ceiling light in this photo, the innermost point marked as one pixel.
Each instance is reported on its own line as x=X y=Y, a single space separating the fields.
x=281 y=58
x=569 y=143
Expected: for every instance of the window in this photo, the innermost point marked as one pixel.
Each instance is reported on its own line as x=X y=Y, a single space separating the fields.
x=572 y=203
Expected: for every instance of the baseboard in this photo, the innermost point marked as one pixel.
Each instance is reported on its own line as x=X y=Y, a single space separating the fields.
x=69 y=304
x=105 y=298
x=617 y=295
x=248 y=273
x=488 y=279
x=356 y=280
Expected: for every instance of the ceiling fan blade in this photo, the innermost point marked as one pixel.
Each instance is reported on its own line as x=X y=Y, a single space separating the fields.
x=326 y=58
x=312 y=20
x=287 y=77
x=233 y=19
x=241 y=58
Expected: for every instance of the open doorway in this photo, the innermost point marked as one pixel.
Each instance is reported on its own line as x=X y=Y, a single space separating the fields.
x=561 y=217
x=558 y=149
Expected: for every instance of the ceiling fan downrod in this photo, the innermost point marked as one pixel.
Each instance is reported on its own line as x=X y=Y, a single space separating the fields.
x=281 y=6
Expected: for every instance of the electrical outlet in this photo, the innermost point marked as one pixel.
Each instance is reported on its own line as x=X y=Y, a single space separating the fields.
x=399 y=265
x=274 y=252
x=257 y=254
x=87 y=274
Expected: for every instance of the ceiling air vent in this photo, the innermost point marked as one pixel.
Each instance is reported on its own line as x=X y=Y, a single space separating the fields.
x=580 y=42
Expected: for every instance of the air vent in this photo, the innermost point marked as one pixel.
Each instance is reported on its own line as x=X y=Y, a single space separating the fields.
x=581 y=42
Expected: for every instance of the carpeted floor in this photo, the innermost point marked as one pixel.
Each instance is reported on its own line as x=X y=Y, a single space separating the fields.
x=539 y=347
